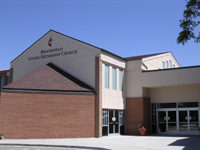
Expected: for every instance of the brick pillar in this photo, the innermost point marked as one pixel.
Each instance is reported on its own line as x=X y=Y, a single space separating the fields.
x=138 y=110
x=98 y=97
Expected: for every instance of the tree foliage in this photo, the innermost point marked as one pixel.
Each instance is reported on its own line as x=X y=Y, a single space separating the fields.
x=190 y=21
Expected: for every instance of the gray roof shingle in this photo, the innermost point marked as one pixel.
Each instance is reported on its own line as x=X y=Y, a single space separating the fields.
x=50 y=78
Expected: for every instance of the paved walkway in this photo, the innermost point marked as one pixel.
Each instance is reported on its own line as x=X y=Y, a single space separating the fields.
x=117 y=142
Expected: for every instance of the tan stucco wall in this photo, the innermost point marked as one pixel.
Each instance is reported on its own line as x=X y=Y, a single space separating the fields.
x=80 y=64
x=184 y=93
x=133 y=79
x=155 y=62
x=171 y=77
x=112 y=99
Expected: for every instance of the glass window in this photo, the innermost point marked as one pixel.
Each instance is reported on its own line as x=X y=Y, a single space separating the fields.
x=114 y=78
x=120 y=80
x=173 y=66
x=105 y=117
x=167 y=64
x=7 y=80
x=163 y=63
x=121 y=118
x=166 y=105
x=106 y=75
x=1 y=82
x=170 y=64
x=188 y=104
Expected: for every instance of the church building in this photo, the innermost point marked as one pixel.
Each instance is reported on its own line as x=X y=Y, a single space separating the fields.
x=61 y=87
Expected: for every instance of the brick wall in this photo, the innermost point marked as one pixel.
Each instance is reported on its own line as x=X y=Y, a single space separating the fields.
x=34 y=115
x=138 y=110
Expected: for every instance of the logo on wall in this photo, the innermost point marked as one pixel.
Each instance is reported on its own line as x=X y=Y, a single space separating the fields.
x=50 y=42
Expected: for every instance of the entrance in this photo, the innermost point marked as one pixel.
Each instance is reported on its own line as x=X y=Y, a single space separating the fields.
x=188 y=121
x=167 y=121
x=178 y=121
x=113 y=121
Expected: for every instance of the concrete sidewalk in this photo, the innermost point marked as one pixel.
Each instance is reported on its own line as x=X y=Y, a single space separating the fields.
x=117 y=142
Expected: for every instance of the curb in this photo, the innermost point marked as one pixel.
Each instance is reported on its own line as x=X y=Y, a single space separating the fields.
x=57 y=146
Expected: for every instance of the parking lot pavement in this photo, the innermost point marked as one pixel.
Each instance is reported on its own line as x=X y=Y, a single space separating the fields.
x=117 y=143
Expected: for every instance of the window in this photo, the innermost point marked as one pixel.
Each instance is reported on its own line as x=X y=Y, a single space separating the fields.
x=121 y=118
x=173 y=66
x=120 y=80
x=170 y=63
x=105 y=116
x=166 y=105
x=167 y=64
x=106 y=75
x=105 y=122
x=163 y=64
x=114 y=78
x=188 y=104
x=1 y=82
x=7 y=79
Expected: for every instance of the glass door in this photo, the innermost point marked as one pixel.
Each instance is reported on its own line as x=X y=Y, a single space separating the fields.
x=194 y=121
x=167 y=121
x=113 y=121
x=172 y=122
x=188 y=121
x=183 y=121
x=162 y=121
x=183 y=118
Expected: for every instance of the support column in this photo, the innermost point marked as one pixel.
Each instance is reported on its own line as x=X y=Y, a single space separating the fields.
x=98 y=97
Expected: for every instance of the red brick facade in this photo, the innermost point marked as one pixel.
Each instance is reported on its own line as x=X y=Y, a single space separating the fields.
x=138 y=110
x=37 y=115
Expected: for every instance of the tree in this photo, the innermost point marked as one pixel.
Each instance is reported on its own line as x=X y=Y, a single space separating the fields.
x=189 y=22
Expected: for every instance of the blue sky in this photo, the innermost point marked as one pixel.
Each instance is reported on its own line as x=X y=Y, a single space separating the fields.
x=124 y=27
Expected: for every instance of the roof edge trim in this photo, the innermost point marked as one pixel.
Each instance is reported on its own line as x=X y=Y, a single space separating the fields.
x=45 y=91
x=187 y=67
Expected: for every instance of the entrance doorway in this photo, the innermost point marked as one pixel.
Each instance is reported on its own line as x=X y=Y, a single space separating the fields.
x=188 y=121
x=112 y=122
x=167 y=121
x=178 y=121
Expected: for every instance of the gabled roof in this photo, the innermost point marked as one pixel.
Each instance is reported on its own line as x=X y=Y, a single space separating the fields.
x=49 y=78
x=103 y=50
x=142 y=56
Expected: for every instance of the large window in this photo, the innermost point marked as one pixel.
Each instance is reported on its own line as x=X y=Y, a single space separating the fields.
x=106 y=75
x=121 y=80
x=114 y=78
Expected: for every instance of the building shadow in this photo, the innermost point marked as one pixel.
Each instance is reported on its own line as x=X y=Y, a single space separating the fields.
x=189 y=143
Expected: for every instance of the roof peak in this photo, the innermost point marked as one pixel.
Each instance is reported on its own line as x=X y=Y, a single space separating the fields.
x=143 y=56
